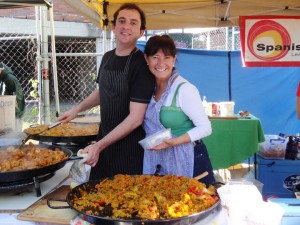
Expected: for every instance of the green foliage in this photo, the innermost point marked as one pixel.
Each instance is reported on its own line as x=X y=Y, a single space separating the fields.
x=34 y=94
x=34 y=83
x=93 y=76
x=34 y=111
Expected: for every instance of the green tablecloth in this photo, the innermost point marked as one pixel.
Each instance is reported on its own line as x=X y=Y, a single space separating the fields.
x=233 y=140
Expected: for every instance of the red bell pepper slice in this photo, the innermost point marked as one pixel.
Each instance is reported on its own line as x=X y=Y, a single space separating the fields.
x=196 y=192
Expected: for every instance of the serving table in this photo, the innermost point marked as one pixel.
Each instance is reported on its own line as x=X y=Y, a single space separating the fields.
x=233 y=140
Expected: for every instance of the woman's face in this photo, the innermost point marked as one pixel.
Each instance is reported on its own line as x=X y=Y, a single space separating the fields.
x=161 y=65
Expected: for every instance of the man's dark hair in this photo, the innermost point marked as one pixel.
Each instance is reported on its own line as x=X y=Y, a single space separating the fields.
x=131 y=6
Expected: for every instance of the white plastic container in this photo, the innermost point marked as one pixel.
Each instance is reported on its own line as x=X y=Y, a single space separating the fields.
x=273 y=147
x=156 y=139
x=226 y=108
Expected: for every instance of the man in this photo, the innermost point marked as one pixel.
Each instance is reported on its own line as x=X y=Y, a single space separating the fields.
x=125 y=89
x=9 y=85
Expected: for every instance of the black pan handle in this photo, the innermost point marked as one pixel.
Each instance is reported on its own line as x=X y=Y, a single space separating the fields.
x=157 y=171
x=57 y=200
x=75 y=157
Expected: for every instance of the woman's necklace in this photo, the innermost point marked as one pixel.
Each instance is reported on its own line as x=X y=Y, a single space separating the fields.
x=156 y=97
x=159 y=91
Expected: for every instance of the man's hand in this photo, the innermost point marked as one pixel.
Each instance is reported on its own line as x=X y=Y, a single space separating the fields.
x=93 y=152
x=67 y=116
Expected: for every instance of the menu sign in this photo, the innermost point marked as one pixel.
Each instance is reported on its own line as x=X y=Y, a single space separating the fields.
x=270 y=41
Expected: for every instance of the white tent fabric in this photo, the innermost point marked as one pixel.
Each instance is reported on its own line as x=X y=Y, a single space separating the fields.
x=170 y=14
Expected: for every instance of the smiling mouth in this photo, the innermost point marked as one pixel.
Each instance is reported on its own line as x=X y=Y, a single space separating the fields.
x=125 y=33
x=160 y=69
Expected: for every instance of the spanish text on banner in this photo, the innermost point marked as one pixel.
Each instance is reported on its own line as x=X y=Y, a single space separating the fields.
x=270 y=41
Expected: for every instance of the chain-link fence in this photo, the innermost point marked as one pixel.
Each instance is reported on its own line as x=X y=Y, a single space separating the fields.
x=19 y=52
x=77 y=63
x=76 y=72
x=208 y=39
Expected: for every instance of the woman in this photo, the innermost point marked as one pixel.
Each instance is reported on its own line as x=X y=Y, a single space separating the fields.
x=175 y=104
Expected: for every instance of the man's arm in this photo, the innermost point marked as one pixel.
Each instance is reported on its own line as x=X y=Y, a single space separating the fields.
x=131 y=122
x=91 y=101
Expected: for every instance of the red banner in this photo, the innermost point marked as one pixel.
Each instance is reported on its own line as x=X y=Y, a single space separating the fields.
x=270 y=41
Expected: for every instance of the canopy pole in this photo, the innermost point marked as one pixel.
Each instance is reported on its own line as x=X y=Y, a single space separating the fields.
x=54 y=64
x=105 y=24
x=45 y=66
x=38 y=57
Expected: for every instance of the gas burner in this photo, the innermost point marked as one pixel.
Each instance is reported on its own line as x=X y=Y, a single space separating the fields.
x=23 y=184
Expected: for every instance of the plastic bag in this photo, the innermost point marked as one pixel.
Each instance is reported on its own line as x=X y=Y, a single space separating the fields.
x=244 y=205
x=79 y=170
x=79 y=220
x=273 y=147
x=251 y=177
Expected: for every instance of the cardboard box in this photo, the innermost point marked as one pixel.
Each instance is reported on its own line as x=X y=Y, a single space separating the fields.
x=7 y=112
x=279 y=177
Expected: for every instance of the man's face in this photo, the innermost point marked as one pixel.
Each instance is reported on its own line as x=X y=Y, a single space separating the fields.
x=127 y=27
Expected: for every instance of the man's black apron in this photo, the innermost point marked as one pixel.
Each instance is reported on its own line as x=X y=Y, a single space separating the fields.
x=125 y=156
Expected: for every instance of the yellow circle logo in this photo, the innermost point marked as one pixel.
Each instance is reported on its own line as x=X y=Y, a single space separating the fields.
x=268 y=40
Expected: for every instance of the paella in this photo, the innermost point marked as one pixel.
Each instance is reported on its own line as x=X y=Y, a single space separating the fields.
x=145 y=197
x=65 y=130
x=29 y=157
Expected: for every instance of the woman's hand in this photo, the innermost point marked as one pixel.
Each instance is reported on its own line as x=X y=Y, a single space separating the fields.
x=166 y=144
x=185 y=138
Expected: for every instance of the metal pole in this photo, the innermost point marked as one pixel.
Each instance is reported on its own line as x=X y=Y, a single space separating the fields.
x=226 y=39
x=104 y=40
x=38 y=57
x=54 y=65
x=45 y=66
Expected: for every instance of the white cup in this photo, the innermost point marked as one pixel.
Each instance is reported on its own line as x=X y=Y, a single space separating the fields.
x=226 y=108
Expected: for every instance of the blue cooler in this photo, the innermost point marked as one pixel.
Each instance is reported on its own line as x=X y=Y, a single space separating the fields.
x=278 y=176
x=291 y=206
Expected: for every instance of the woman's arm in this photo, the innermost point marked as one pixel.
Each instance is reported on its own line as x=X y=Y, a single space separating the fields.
x=190 y=102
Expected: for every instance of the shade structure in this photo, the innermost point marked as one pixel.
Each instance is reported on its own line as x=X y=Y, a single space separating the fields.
x=15 y=3
x=171 y=14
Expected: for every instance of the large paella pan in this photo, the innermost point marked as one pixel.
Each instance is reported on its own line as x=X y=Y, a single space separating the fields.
x=65 y=133
x=33 y=170
x=144 y=199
